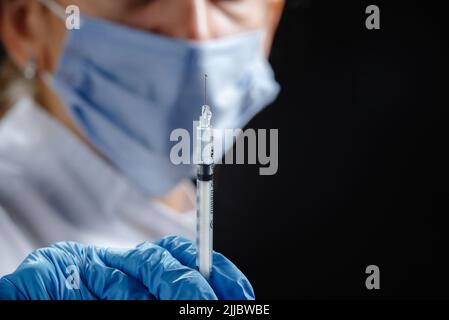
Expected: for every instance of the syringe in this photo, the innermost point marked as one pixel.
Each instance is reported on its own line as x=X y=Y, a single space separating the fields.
x=204 y=192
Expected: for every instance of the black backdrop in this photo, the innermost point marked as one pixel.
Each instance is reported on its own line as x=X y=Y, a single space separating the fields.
x=363 y=175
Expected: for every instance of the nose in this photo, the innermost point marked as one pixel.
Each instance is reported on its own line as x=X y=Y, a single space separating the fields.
x=196 y=21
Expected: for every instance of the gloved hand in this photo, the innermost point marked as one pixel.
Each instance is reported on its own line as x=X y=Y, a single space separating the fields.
x=161 y=270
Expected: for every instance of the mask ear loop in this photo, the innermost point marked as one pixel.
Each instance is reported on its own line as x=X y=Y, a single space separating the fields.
x=57 y=9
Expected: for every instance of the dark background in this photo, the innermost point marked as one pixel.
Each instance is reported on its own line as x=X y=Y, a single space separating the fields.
x=363 y=175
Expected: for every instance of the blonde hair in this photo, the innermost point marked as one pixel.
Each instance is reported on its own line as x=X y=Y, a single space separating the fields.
x=13 y=85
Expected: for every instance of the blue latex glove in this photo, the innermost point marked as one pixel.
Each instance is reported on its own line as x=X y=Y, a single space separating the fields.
x=164 y=270
x=227 y=281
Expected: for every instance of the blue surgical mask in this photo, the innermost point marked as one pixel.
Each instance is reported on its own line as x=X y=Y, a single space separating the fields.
x=127 y=90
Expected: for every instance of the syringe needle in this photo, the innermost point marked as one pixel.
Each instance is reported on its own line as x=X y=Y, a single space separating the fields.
x=205 y=89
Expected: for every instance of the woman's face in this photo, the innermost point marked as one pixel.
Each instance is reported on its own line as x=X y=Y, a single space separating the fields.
x=186 y=19
x=31 y=30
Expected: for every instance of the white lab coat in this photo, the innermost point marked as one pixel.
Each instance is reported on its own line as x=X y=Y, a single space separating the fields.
x=54 y=188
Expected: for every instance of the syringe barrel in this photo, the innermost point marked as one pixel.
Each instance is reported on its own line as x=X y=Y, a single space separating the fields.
x=205 y=172
x=205 y=227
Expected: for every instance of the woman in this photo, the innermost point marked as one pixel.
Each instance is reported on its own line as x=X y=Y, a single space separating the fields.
x=87 y=114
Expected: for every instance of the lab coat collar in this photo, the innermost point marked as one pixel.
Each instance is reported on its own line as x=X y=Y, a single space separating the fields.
x=28 y=129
